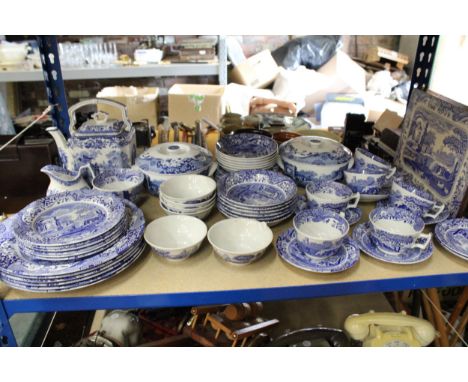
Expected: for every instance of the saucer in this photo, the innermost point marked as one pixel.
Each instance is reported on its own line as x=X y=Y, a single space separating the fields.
x=352 y=215
x=452 y=234
x=427 y=221
x=367 y=198
x=361 y=235
x=346 y=257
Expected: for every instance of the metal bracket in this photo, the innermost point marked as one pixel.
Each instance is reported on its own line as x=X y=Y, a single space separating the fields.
x=423 y=62
x=54 y=81
x=7 y=337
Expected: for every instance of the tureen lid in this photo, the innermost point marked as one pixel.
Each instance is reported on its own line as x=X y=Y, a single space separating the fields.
x=100 y=126
x=174 y=158
x=315 y=150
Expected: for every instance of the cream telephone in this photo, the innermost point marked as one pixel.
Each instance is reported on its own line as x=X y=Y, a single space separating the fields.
x=389 y=329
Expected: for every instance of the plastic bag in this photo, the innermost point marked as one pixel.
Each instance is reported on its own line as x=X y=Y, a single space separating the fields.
x=309 y=51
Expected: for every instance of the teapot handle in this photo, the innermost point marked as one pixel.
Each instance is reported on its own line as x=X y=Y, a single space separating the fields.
x=98 y=101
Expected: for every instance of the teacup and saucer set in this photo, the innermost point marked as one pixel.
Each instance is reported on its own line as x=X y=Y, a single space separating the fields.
x=405 y=194
x=371 y=176
x=394 y=235
x=318 y=242
x=334 y=196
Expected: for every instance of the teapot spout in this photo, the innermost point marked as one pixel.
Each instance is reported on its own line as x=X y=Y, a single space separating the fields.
x=64 y=152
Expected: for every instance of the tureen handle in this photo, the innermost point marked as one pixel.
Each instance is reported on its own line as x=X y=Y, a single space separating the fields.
x=98 y=101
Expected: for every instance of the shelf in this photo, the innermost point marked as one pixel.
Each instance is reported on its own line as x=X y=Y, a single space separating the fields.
x=156 y=70
x=205 y=279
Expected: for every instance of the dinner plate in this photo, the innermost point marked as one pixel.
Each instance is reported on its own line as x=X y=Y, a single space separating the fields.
x=452 y=234
x=68 y=217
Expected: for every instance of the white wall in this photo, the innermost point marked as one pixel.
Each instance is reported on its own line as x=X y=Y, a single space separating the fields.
x=450 y=71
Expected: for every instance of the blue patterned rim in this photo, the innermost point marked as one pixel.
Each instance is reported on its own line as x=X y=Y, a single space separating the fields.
x=413 y=189
x=245 y=145
x=110 y=176
x=452 y=234
x=399 y=215
x=249 y=185
x=321 y=215
x=68 y=217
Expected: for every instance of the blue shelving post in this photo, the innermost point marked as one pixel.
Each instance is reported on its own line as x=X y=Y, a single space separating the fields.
x=54 y=81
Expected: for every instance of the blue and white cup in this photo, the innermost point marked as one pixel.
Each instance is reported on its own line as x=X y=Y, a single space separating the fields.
x=320 y=232
x=409 y=196
x=332 y=195
x=395 y=229
x=364 y=159
x=368 y=181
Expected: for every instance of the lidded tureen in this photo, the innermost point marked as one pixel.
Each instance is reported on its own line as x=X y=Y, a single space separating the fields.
x=311 y=158
x=99 y=141
x=165 y=160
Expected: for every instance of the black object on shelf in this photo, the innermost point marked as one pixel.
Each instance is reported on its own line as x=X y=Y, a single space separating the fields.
x=319 y=336
x=356 y=128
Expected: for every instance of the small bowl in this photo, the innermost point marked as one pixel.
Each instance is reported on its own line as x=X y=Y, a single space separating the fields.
x=175 y=237
x=199 y=213
x=188 y=189
x=365 y=159
x=368 y=181
x=239 y=240
x=320 y=232
x=252 y=131
x=186 y=206
x=332 y=195
x=123 y=182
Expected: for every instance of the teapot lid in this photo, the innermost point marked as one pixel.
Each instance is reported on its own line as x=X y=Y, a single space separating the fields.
x=174 y=158
x=99 y=126
x=315 y=150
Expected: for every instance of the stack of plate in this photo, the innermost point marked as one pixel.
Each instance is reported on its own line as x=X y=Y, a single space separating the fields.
x=452 y=234
x=246 y=151
x=70 y=240
x=263 y=195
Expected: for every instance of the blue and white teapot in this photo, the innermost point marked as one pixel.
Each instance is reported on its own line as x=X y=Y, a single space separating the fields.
x=100 y=141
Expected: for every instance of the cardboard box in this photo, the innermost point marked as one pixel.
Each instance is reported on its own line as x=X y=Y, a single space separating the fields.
x=189 y=103
x=142 y=103
x=379 y=54
x=257 y=71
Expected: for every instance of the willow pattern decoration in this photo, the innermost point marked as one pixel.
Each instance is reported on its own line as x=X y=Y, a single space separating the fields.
x=433 y=147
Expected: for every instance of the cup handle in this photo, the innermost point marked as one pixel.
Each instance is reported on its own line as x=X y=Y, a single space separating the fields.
x=353 y=204
x=391 y=173
x=213 y=168
x=351 y=163
x=437 y=210
x=425 y=238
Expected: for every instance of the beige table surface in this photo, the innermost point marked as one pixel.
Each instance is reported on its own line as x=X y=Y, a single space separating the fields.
x=152 y=276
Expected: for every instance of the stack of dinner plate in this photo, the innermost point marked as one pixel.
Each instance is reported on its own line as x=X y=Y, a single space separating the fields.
x=246 y=151
x=70 y=240
x=264 y=195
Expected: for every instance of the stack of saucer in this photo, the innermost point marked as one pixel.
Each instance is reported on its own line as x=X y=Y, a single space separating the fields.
x=266 y=196
x=318 y=242
x=394 y=235
x=246 y=151
x=371 y=176
x=192 y=195
x=70 y=240
x=452 y=234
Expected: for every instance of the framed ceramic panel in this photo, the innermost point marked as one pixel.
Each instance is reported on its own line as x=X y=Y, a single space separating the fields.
x=433 y=148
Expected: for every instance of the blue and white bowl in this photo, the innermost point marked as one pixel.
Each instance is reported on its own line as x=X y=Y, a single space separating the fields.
x=175 y=237
x=240 y=241
x=191 y=189
x=332 y=195
x=320 y=231
x=407 y=195
x=395 y=229
x=364 y=159
x=123 y=182
x=367 y=181
x=310 y=158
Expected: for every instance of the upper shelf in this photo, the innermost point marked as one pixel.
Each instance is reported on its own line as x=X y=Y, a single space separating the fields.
x=153 y=70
